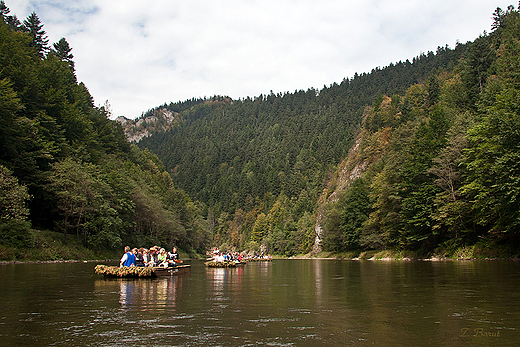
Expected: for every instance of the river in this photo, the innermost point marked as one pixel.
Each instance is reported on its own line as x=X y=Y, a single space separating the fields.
x=276 y=303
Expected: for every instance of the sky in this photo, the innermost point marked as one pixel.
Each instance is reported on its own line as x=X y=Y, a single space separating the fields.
x=138 y=55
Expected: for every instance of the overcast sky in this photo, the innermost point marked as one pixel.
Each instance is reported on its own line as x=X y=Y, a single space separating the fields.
x=140 y=54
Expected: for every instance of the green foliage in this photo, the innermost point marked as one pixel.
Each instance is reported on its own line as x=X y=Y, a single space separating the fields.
x=260 y=228
x=493 y=182
x=243 y=154
x=16 y=233
x=439 y=158
x=14 y=226
x=344 y=221
x=13 y=197
x=75 y=164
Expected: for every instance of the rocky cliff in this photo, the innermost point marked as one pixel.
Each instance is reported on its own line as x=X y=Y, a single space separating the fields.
x=160 y=120
x=350 y=168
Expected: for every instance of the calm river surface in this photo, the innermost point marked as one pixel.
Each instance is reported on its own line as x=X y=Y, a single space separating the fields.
x=278 y=303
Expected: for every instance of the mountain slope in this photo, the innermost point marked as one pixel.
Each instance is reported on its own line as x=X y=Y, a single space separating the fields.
x=440 y=170
x=242 y=157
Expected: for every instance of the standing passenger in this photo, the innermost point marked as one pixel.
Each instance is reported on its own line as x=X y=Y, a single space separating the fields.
x=151 y=259
x=146 y=257
x=153 y=256
x=173 y=257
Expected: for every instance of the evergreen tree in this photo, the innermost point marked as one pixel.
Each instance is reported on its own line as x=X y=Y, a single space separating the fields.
x=11 y=21
x=34 y=27
x=63 y=51
x=4 y=10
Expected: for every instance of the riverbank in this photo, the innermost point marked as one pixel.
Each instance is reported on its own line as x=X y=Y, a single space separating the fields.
x=50 y=247
x=483 y=250
x=7 y=262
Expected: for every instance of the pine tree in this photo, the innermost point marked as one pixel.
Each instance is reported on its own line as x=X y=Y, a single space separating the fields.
x=4 y=10
x=62 y=51
x=12 y=21
x=34 y=27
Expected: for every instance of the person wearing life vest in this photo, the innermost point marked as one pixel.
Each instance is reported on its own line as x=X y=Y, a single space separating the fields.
x=128 y=259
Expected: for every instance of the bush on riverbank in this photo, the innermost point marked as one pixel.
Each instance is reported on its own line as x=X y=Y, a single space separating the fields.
x=49 y=245
x=484 y=249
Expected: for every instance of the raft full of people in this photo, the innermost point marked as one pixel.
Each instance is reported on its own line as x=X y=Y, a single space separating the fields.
x=233 y=259
x=153 y=262
x=153 y=257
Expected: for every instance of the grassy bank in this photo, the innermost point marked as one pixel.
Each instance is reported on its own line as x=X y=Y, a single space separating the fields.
x=482 y=250
x=50 y=246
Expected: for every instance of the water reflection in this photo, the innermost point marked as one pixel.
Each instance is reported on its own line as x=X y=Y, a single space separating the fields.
x=284 y=302
x=224 y=276
x=144 y=294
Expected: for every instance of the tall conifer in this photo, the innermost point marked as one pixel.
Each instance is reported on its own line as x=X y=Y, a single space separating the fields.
x=34 y=27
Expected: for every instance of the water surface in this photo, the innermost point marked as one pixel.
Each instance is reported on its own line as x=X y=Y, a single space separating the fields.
x=278 y=303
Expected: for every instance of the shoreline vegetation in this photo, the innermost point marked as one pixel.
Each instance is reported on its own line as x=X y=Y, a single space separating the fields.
x=49 y=248
x=307 y=257
x=484 y=250
x=415 y=160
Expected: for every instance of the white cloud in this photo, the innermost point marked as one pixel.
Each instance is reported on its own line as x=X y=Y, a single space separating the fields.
x=140 y=54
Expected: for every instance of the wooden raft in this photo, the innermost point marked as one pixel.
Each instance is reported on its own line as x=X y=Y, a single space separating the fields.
x=222 y=264
x=141 y=272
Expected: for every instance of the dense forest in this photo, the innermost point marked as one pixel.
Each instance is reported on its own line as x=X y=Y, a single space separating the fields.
x=65 y=166
x=419 y=156
x=442 y=168
x=437 y=141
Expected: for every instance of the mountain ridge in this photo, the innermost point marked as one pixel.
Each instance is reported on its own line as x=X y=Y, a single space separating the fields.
x=250 y=152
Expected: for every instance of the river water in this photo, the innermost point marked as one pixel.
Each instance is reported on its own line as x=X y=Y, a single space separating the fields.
x=276 y=303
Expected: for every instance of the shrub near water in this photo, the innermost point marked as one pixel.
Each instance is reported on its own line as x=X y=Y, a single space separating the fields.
x=16 y=233
x=49 y=245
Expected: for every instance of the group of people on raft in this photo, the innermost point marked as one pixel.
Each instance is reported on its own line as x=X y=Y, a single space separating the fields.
x=155 y=257
x=236 y=256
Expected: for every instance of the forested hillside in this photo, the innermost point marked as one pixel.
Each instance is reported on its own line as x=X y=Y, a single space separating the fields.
x=441 y=161
x=65 y=166
x=244 y=158
x=438 y=141
x=419 y=156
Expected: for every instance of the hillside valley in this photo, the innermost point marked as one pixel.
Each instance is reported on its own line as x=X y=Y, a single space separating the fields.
x=419 y=158
x=385 y=160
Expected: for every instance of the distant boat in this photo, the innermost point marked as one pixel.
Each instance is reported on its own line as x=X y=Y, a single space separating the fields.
x=226 y=263
x=141 y=272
